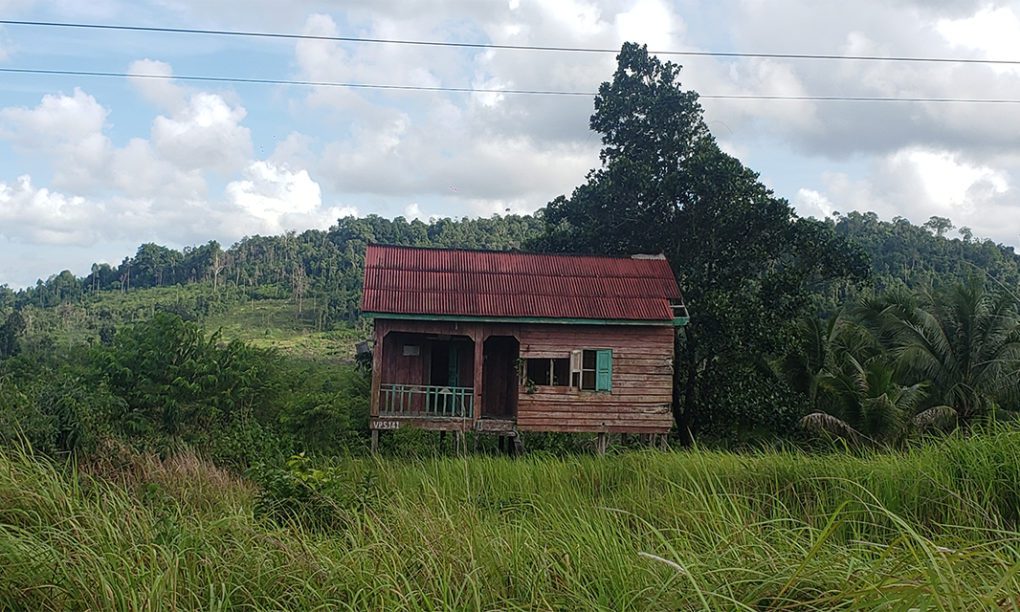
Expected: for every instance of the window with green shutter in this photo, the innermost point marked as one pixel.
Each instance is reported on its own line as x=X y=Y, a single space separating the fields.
x=604 y=370
x=592 y=369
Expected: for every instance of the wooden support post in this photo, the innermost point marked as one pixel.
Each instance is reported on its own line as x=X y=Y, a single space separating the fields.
x=602 y=443
x=479 y=339
x=375 y=441
x=377 y=361
x=474 y=442
x=663 y=442
x=518 y=444
x=461 y=442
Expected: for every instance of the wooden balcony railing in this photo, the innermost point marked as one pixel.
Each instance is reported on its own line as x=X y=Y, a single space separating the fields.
x=425 y=401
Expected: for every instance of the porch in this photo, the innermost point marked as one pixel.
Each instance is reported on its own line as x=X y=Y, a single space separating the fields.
x=444 y=381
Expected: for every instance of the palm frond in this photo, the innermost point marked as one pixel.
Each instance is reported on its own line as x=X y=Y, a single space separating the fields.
x=823 y=423
x=939 y=417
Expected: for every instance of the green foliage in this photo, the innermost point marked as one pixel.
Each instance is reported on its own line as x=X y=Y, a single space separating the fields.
x=963 y=341
x=10 y=334
x=749 y=268
x=319 y=272
x=743 y=259
x=165 y=382
x=906 y=256
x=930 y=528
x=175 y=379
x=320 y=497
x=21 y=419
x=902 y=362
x=330 y=413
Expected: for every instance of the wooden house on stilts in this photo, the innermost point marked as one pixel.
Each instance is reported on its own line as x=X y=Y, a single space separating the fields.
x=503 y=342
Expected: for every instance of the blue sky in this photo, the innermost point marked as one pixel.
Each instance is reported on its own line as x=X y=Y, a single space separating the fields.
x=92 y=167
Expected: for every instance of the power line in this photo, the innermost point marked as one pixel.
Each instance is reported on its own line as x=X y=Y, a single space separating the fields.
x=464 y=45
x=268 y=81
x=532 y=92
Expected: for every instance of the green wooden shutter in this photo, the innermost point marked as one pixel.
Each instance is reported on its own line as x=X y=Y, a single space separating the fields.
x=604 y=370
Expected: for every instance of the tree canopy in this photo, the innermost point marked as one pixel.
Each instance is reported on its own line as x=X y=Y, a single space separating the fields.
x=745 y=262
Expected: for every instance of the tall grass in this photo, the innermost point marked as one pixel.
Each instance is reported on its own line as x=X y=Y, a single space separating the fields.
x=931 y=528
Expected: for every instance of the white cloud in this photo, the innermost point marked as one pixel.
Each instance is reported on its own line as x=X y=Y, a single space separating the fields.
x=810 y=203
x=58 y=117
x=162 y=92
x=993 y=31
x=274 y=198
x=66 y=129
x=650 y=22
x=840 y=130
x=196 y=175
x=38 y=215
x=949 y=183
x=206 y=134
x=137 y=170
x=413 y=211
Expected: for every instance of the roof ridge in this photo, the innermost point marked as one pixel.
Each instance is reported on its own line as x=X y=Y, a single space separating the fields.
x=632 y=257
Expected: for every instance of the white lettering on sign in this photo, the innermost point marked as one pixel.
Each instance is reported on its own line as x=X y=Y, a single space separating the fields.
x=386 y=425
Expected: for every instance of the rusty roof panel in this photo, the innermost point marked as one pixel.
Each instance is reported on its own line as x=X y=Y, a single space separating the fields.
x=408 y=280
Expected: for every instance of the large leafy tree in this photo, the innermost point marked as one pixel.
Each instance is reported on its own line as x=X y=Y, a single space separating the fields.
x=743 y=259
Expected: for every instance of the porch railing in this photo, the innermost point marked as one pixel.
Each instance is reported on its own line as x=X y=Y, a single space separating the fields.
x=426 y=401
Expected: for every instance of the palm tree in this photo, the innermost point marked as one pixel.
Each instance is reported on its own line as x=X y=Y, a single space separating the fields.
x=805 y=368
x=964 y=342
x=867 y=402
x=848 y=381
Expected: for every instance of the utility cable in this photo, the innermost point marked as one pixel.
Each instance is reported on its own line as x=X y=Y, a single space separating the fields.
x=530 y=92
x=466 y=45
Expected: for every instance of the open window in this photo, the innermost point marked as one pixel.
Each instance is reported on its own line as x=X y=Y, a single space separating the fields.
x=548 y=372
x=591 y=369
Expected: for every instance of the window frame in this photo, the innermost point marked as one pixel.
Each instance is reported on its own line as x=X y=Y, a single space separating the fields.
x=550 y=372
x=602 y=377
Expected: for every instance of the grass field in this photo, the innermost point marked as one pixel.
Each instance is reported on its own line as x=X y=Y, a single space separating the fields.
x=932 y=528
x=277 y=324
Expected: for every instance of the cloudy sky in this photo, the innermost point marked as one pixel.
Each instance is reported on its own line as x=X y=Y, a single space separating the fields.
x=91 y=167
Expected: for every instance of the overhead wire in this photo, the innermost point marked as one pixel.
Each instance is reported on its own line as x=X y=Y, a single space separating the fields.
x=471 y=45
x=490 y=90
x=486 y=90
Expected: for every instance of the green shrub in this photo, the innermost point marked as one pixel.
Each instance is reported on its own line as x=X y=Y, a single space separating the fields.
x=318 y=497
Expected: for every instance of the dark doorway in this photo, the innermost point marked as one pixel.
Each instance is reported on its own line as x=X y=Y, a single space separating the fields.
x=499 y=377
x=451 y=362
x=439 y=374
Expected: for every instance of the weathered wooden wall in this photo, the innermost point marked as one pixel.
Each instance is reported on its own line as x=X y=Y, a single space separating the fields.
x=414 y=369
x=642 y=383
x=642 y=379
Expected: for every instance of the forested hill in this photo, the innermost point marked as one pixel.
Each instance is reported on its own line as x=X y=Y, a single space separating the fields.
x=323 y=268
x=912 y=256
x=319 y=269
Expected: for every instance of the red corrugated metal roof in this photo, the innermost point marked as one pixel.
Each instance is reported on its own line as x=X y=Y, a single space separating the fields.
x=408 y=280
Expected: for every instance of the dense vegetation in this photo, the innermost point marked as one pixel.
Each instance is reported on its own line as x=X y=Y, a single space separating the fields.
x=199 y=417
x=932 y=528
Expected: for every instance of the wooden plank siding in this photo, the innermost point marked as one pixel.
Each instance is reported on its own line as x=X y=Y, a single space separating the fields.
x=642 y=380
x=642 y=372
